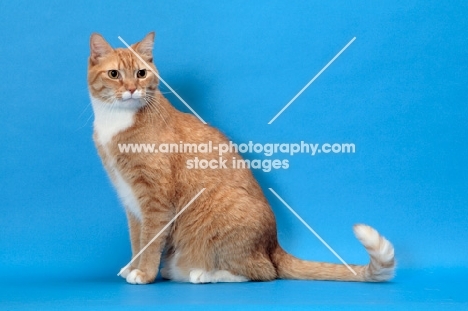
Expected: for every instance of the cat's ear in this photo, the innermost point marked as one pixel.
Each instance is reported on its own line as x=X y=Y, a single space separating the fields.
x=99 y=48
x=145 y=47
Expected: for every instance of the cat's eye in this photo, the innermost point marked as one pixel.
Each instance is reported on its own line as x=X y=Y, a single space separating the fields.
x=114 y=74
x=141 y=73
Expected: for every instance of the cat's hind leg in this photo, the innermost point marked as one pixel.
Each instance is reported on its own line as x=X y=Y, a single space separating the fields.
x=171 y=269
x=177 y=269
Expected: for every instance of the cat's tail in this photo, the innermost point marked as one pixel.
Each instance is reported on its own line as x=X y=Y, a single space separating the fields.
x=380 y=268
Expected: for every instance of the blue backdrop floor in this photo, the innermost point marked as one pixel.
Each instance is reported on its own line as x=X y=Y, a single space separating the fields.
x=412 y=289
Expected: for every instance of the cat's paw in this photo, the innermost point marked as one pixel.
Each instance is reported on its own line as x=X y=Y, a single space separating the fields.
x=125 y=271
x=137 y=277
x=199 y=276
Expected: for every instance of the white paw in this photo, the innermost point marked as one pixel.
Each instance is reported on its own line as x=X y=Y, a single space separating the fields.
x=202 y=276
x=198 y=276
x=226 y=276
x=135 y=277
x=125 y=271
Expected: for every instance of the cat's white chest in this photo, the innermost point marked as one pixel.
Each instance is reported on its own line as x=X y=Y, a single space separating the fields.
x=108 y=122
x=124 y=190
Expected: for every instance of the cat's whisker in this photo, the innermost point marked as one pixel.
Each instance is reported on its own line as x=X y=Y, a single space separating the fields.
x=87 y=120
x=150 y=105
x=154 y=108
x=157 y=98
x=86 y=108
x=163 y=93
x=159 y=105
x=149 y=108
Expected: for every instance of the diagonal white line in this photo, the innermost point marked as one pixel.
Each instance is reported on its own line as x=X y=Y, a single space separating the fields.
x=311 y=81
x=313 y=231
x=162 y=230
x=162 y=80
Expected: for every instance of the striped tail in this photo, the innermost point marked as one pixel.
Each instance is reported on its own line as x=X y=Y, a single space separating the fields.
x=380 y=268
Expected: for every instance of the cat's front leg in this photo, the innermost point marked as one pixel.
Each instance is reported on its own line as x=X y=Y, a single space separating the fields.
x=134 y=227
x=152 y=224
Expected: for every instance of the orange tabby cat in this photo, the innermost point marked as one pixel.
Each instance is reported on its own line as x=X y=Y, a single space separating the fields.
x=228 y=234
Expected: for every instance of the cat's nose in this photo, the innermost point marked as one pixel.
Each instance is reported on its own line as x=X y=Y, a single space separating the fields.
x=132 y=89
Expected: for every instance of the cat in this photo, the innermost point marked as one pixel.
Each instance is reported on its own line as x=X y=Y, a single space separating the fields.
x=228 y=234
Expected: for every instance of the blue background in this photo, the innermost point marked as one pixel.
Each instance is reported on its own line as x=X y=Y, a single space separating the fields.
x=399 y=93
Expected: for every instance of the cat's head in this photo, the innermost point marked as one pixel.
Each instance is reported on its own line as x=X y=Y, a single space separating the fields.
x=118 y=76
